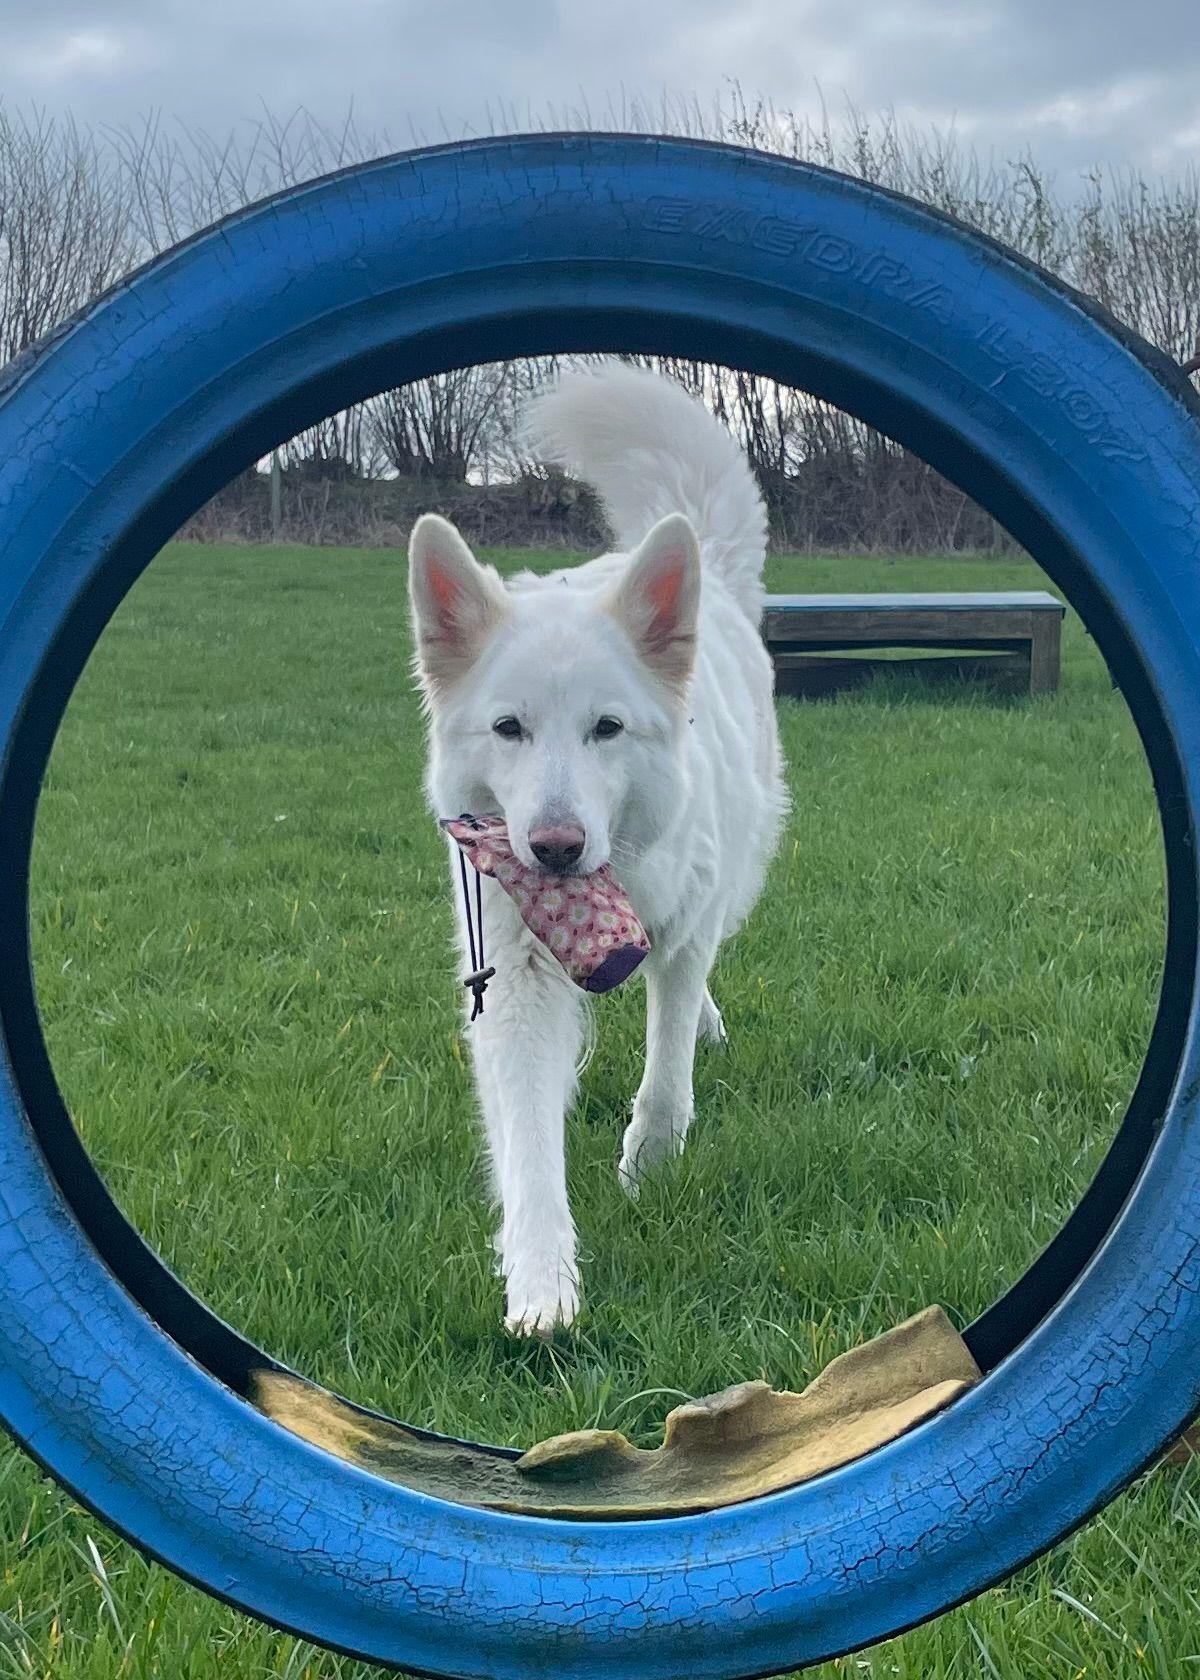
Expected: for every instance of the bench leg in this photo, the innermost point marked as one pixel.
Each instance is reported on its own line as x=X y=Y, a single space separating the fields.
x=1045 y=646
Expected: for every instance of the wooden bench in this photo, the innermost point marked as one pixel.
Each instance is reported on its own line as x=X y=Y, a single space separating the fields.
x=1012 y=638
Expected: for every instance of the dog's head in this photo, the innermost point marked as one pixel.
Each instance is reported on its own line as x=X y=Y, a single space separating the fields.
x=561 y=708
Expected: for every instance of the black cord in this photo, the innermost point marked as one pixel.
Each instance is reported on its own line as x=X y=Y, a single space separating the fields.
x=478 y=978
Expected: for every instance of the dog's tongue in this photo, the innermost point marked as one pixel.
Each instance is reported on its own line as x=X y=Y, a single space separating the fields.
x=586 y=921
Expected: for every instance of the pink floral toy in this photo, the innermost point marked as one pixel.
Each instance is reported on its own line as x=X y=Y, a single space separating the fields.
x=586 y=921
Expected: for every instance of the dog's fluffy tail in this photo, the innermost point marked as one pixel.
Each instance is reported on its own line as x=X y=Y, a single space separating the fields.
x=650 y=449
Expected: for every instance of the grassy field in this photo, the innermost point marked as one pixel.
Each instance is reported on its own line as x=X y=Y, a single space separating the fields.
x=936 y=1016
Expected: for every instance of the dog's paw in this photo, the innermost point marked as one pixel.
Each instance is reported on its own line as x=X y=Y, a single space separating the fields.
x=650 y=1138
x=541 y=1300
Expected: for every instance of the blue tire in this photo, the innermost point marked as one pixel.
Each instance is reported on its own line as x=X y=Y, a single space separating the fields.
x=1075 y=435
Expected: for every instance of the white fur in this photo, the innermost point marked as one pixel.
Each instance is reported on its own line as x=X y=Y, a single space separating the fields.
x=686 y=802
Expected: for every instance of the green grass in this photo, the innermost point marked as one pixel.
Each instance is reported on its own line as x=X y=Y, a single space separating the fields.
x=936 y=1015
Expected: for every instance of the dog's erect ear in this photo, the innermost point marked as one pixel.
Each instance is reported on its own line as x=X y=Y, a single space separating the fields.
x=456 y=602
x=658 y=598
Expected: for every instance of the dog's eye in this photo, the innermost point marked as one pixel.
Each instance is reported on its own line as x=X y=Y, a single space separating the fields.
x=508 y=728
x=607 y=727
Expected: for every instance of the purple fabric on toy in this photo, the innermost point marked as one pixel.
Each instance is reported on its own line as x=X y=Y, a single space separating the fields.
x=586 y=921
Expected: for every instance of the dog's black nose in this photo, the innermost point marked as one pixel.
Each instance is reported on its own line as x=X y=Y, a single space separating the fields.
x=558 y=848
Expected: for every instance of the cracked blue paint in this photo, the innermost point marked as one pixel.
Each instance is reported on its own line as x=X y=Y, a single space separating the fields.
x=132 y=415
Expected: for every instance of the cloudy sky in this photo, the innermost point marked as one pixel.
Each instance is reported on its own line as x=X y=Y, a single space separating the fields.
x=1075 y=81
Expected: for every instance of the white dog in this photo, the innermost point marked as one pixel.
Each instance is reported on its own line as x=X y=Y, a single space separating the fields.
x=621 y=710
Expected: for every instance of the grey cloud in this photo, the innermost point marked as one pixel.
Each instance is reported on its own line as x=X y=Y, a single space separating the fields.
x=1075 y=82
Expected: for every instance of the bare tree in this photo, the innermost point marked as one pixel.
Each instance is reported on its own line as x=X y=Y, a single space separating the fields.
x=183 y=179
x=66 y=228
x=340 y=448
x=438 y=427
x=1136 y=248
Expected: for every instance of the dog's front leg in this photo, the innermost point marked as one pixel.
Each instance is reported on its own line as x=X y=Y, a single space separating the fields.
x=676 y=989
x=525 y=1047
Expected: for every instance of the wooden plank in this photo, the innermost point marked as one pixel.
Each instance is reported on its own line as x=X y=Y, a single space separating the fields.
x=1026 y=624
x=1017 y=632
x=900 y=626
x=846 y=644
x=809 y=676
x=1029 y=600
x=1045 y=657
